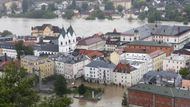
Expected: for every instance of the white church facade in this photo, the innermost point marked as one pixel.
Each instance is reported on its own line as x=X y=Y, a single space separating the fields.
x=67 y=40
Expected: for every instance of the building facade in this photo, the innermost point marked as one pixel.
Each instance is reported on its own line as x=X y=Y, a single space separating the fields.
x=46 y=30
x=71 y=66
x=67 y=40
x=40 y=66
x=99 y=70
x=175 y=62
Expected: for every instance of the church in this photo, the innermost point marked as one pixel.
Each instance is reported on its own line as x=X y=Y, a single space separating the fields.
x=67 y=40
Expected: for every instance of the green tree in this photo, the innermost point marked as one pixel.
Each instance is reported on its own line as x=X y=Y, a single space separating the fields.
x=81 y=89
x=125 y=101
x=55 y=101
x=187 y=10
x=41 y=14
x=23 y=50
x=184 y=72
x=138 y=3
x=60 y=85
x=142 y=16
x=68 y=14
x=51 y=7
x=120 y=8
x=84 y=6
x=16 y=88
x=154 y=15
x=109 y=6
x=5 y=33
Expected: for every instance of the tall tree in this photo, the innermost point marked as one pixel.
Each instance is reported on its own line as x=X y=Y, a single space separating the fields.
x=16 y=88
x=120 y=8
x=184 y=72
x=125 y=101
x=60 y=85
x=81 y=89
x=23 y=50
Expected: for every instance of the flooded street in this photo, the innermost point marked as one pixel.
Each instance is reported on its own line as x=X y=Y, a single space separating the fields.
x=112 y=97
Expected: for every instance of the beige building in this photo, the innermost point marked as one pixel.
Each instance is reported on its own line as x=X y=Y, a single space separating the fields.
x=46 y=30
x=34 y=64
x=157 y=59
x=115 y=56
x=127 y=4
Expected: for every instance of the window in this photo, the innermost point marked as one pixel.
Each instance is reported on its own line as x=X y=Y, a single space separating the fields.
x=69 y=41
x=61 y=43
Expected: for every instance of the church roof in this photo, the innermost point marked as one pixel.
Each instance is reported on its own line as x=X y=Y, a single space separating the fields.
x=70 y=30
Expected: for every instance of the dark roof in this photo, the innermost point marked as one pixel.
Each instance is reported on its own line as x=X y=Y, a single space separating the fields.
x=150 y=43
x=101 y=62
x=46 y=47
x=167 y=30
x=156 y=29
x=161 y=90
x=182 y=52
x=50 y=38
x=70 y=30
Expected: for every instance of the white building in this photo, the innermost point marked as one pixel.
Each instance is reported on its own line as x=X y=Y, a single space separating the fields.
x=175 y=62
x=99 y=70
x=129 y=73
x=9 y=49
x=67 y=40
x=71 y=66
x=178 y=36
x=141 y=57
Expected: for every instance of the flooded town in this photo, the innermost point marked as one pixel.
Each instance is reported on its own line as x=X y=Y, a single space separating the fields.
x=94 y=53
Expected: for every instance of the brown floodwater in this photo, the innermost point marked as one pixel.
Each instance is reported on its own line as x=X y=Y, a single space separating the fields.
x=112 y=97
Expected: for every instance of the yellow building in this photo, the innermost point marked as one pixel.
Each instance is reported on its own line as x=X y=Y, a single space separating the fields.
x=127 y=4
x=46 y=30
x=34 y=64
x=115 y=57
x=157 y=59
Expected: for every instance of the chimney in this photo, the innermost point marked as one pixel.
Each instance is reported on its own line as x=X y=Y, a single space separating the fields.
x=5 y=57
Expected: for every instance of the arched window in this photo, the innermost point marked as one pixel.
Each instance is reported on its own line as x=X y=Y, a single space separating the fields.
x=69 y=41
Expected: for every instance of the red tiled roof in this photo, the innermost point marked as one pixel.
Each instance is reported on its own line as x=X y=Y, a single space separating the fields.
x=124 y=68
x=91 y=53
